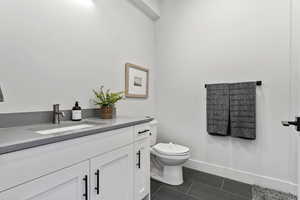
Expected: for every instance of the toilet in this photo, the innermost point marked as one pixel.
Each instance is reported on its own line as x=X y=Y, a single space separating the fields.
x=167 y=159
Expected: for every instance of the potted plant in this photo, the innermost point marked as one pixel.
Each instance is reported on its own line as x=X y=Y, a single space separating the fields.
x=106 y=101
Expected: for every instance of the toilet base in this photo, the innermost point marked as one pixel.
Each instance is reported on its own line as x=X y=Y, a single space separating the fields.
x=171 y=175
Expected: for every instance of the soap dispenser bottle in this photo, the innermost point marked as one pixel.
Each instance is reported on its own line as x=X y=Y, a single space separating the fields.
x=76 y=112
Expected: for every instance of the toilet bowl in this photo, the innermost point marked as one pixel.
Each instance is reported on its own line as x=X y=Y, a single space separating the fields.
x=167 y=159
x=171 y=163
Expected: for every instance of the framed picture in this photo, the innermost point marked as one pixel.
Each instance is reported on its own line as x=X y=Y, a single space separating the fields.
x=136 y=81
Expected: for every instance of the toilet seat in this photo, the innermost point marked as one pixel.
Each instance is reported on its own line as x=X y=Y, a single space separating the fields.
x=171 y=149
x=173 y=157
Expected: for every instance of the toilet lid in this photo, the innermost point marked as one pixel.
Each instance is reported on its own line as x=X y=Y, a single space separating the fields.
x=171 y=149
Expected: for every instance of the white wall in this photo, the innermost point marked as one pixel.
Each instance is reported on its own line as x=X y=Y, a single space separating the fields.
x=57 y=51
x=210 y=41
x=154 y=4
x=149 y=7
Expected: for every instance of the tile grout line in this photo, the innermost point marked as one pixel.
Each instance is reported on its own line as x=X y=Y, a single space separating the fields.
x=154 y=193
x=221 y=189
x=234 y=194
x=222 y=185
x=189 y=189
x=193 y=196
x=209 y=185
x=197 y=197
x=174 y=189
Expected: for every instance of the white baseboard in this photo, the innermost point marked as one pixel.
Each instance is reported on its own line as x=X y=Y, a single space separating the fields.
x=243 y=176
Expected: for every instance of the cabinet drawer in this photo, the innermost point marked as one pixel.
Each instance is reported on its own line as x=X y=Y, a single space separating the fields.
x=141 y=131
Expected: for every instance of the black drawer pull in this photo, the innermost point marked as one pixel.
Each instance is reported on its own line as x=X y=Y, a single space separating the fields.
x=97 y=188
x=144 y=131
x=139 y=159
x=85 y=179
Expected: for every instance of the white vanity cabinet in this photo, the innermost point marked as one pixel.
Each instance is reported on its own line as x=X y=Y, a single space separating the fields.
x=70 y=183
x=112 y=176
x=112 y=165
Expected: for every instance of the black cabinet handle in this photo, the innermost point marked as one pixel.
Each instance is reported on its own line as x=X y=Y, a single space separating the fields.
x=295 y=123
x=144 y=131
x=85 y=179
x=97 y=188
x=139 y=159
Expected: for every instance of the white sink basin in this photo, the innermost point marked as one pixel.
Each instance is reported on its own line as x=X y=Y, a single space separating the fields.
x=65 y=129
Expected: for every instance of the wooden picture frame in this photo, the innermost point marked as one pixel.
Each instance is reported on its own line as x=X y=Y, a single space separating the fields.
x=136 y=81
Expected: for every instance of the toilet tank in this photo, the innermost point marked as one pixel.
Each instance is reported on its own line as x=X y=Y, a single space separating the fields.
x=153 y=132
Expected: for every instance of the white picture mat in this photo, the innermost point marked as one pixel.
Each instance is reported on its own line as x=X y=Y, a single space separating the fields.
x=132 y=89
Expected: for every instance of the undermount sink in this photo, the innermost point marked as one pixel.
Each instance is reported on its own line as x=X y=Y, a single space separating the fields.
x=65 y=129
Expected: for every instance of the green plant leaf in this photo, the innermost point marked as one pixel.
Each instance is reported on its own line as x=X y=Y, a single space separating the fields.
x=107 y=98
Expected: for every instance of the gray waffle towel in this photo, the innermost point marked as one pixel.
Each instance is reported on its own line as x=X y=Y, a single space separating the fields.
x=217 y=109
x=1 y=96
x=243 y=110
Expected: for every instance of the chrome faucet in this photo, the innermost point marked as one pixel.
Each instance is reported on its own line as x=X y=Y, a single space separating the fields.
x=57 y=114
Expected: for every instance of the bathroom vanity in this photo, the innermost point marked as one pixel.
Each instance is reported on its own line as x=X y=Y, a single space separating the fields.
x=109 y=161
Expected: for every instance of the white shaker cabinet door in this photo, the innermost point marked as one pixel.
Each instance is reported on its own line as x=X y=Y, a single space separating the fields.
x=142 y=169
x=112 y=175
x=67 y=184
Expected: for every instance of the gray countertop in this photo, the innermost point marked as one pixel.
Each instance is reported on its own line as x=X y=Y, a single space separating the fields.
x=24 y=137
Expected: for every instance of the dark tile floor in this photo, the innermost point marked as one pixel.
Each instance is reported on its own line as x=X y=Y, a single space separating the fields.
x=201 y=186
